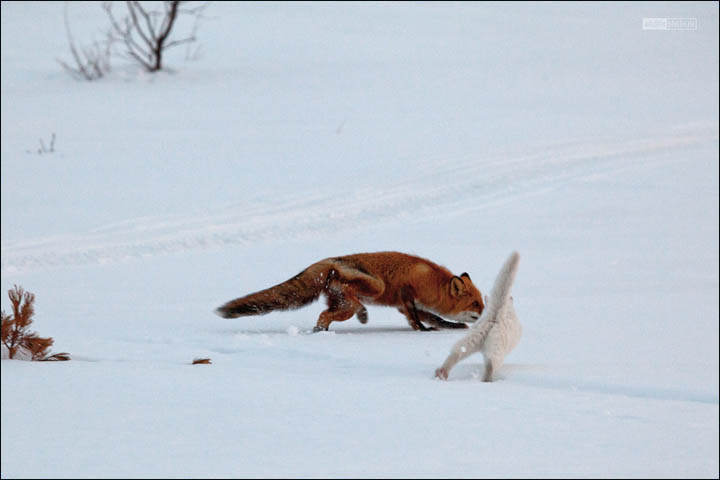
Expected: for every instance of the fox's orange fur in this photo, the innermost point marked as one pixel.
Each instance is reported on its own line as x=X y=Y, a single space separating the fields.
x=419 y=288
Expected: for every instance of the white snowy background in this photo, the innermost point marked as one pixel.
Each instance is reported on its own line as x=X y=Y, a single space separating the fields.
x=457 y=132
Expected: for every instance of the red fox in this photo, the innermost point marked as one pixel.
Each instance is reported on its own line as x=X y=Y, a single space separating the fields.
x=420 y=289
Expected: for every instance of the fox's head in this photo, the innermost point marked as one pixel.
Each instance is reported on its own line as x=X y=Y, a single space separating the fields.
x=466 y=300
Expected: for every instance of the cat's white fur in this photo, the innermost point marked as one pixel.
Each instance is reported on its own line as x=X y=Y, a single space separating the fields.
x=496 y=332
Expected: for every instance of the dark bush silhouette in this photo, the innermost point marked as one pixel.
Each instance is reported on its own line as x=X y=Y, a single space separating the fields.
x=145 y=33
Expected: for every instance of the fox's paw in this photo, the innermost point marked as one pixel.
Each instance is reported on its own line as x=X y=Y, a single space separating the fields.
x=441 y=373
x=362 y=315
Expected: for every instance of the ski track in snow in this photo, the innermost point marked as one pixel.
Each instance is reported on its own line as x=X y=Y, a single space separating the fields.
x=449 y=188
x=579 y=385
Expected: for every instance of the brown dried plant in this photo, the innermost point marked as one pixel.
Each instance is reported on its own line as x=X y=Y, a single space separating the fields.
x=15 y=334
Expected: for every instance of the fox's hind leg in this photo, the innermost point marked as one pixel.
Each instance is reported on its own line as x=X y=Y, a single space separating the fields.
x=493 y=362
x=353 y=284
x=342 y=303
x=464 y=347
x=328 y=316
x=487 y=377
x=339 y=309
x=362 y=315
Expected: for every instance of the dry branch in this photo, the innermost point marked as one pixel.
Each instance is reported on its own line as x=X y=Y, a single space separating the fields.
x=145 y=33
x=15 y=335
x=92 y=62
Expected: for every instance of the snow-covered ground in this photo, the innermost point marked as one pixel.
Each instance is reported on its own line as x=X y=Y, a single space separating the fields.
x=457 y=132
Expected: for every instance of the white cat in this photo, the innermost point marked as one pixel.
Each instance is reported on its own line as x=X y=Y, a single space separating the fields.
x=496 y=332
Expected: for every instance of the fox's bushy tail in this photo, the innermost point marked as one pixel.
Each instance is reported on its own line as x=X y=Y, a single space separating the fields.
x=499 y=296
x=501 y=288
x=302 y=289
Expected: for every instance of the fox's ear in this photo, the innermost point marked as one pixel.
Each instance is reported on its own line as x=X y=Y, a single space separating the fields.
x=465 y=274
x=457 y=287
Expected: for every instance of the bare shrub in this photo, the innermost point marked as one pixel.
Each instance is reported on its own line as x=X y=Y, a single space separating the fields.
x=146 y=33
x=90 y=63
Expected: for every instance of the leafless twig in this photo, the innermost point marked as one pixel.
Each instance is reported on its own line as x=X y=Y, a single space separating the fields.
x=92 y=62
x=146 y=33
x=44 y=149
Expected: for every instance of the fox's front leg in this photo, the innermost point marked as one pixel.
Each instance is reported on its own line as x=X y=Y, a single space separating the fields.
x=433 y=319
x=410 y=310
